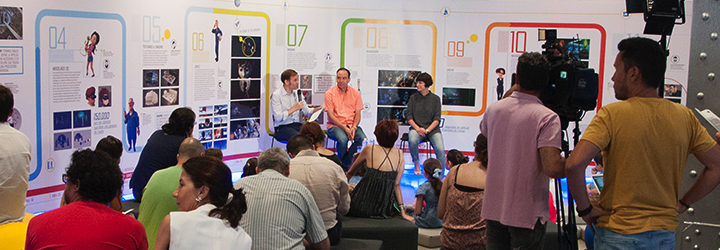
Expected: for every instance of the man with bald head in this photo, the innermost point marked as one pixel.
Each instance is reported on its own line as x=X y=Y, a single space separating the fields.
x=157 y=200
x=133 y=124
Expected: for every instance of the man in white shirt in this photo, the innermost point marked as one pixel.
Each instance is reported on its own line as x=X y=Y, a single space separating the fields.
x=14 y=163
x=325 y=180
x=288 y=107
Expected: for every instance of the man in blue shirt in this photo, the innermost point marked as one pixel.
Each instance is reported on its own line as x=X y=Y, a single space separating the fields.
x=287 y=107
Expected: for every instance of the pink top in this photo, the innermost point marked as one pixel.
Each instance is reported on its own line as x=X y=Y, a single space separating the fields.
x=343 y=105
x=516 y=189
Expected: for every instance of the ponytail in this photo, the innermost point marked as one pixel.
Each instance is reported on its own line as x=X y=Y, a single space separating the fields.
x=233 y=209
x=455 y=157
x=181 y=122
x=481 y=150
x=230 y=203
x=434 y=170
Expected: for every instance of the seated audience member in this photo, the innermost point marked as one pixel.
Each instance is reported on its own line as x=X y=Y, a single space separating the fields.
x=209 y=210
x=461 y=201
x=114 y=148
x=378 y=194
x=454 y=158
x=161 y=149
x=14 y=163
x=159 y=201
x=213 y=153
x=86 y=222
x=12 y=234
x=281 y=211
x=250 y=167
x=325 y=180
x=314 y=132
x=426 y=202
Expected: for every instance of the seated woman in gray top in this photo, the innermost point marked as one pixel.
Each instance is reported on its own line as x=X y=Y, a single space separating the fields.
x=424 y=117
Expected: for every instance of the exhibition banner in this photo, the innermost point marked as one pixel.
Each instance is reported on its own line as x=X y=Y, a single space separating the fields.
x=84 y=70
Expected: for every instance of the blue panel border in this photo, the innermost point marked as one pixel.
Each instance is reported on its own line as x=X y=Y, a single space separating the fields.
x=38 y=107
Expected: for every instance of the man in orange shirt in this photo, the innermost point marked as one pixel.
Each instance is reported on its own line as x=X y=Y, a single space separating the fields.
x=343 y=104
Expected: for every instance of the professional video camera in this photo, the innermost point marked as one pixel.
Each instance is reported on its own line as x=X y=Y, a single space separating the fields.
x=573 y=87
x=572 y=90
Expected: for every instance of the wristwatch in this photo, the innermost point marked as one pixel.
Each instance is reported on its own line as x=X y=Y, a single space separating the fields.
x=584 y=212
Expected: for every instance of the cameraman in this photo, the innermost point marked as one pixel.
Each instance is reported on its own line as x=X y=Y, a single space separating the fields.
x=645 y=141
x=524 y=142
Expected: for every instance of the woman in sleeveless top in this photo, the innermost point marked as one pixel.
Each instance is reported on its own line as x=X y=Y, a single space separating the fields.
x=461 y=201
x=209 y=207
x=378 y=195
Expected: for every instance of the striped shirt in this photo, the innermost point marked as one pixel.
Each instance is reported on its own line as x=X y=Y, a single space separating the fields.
x=281 y=212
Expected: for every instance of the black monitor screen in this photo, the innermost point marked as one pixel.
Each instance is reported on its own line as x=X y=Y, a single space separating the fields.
x=458 y=97
x=398 y=97
x=577 y=47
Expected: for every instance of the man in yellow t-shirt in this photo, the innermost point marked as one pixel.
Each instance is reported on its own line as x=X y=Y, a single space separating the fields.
x=645 y=141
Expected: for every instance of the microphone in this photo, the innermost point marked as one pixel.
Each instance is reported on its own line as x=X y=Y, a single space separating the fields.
x=299 y=95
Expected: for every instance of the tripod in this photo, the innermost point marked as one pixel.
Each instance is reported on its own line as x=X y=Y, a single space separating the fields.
x=566 y=226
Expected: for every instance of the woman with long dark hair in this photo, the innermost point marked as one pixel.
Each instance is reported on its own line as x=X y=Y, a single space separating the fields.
x=161 y=149
x=209 y=207
x=454 y=158
x=461 y=200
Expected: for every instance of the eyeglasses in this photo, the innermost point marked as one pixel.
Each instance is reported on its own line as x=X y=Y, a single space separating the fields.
x=65 y=178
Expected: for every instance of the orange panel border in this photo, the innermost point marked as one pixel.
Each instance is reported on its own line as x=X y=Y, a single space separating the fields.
x=601 y=68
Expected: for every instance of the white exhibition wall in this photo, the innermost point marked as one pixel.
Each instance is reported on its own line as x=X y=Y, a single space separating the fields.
x=162 y=54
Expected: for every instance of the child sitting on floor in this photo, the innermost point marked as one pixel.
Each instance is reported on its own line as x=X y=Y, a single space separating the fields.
x=427 y=194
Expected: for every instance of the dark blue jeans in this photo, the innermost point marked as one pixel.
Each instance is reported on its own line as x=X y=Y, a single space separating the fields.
x=607 y=239
x=436 y=140
x=285 y=132
x=345 y=154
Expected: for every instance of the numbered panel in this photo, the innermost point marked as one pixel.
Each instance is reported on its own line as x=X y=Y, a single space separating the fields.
x=80 y=88
x=227 y=64
x=384 y=57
